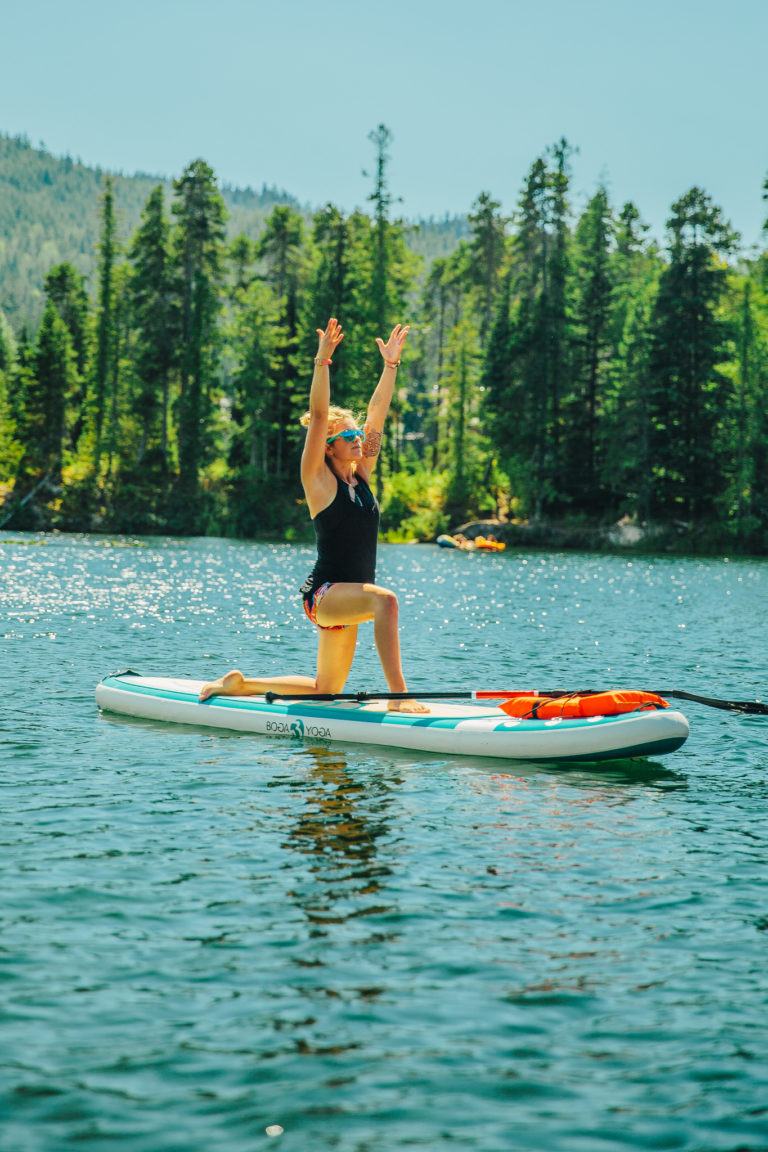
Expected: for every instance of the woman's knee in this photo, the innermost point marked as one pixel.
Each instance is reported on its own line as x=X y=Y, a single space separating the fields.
x=385 y=603
x=330 y=683
x=332 y=677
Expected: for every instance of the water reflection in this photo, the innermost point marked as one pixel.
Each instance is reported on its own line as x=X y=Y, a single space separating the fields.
x=648 y=772
x=338 y=830
x=337 y=870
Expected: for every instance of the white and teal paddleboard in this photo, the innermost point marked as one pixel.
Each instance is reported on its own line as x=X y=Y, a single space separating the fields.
x=456 y=729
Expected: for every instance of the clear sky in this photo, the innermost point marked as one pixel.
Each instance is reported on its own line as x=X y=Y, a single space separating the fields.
x=657 y=95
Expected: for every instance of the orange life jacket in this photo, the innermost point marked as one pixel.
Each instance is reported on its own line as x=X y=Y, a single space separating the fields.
x=489 y=545
x=611 y=703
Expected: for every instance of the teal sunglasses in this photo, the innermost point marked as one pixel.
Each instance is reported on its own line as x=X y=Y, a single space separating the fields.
x=349 y=434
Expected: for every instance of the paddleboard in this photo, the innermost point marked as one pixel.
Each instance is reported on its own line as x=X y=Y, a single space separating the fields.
x=455 y=729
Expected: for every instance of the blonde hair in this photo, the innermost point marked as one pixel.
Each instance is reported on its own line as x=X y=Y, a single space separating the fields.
x=335 y=416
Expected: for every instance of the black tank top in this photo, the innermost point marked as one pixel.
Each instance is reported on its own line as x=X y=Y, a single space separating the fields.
x=347 y=532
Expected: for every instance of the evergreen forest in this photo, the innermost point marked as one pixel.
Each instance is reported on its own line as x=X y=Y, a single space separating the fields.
x=562 y=367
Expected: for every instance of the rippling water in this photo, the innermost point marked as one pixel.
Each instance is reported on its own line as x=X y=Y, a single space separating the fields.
x=204 y=934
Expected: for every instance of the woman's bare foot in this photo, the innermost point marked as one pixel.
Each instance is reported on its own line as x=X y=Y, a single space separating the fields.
x=228 y=685
x=406 y=706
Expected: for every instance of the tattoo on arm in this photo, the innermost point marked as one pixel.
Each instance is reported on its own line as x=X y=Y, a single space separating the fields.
x=372 y=444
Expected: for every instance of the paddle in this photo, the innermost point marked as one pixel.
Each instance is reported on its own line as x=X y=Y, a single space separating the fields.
x=749 y=707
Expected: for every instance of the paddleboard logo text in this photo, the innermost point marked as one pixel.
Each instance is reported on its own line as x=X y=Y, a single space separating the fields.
x=298 y=729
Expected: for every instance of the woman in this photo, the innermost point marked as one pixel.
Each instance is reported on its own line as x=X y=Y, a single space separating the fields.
x=336 y=467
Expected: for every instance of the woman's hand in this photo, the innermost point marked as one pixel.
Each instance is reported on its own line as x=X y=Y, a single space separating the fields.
x=329 y=340
x=392 y=350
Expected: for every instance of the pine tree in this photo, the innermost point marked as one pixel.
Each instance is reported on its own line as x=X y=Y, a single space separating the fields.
x=105 y=318
x=392 y=275
x=584 y=406
x=634 y=270
x=630 y=235
x=18 y=372
x=330 y=276
x=556 y=321
x=7 y=344
x=242 y=253
x=154 y=322
x=487 y=247
x=519 y=394
x=443 y=299
x=748 y=449
x=498 y=381
x=198 y=262
x=46 y=387
x=461 y=380
x=65 y=287
x=329 y=291
x=381 y=296
x=256 y=340
x=357 y=357
x=280 y=248
x=526 y=394
x=633 y=262
x=117 y=447
x=434 y=324
x=627 y=463
x=689 y=393
x=10 y=448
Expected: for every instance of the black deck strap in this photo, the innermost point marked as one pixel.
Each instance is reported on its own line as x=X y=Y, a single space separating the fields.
x=549 y=697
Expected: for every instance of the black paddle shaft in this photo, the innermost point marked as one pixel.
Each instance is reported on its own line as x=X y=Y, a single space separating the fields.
x=363 y=697
x=747 y=707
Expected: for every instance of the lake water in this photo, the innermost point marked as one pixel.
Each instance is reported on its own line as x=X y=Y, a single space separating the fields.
x=205 y=934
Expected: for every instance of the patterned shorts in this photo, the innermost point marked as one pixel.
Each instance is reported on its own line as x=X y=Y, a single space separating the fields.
x=312 y=603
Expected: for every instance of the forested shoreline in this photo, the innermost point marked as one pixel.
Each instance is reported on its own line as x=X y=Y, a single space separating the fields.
x=562 y=367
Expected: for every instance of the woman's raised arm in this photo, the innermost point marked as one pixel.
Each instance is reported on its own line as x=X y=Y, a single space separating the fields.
x=378 y=406
x=313 y=456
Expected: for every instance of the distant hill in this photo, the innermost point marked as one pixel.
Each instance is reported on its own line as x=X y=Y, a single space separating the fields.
x=49 y=212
